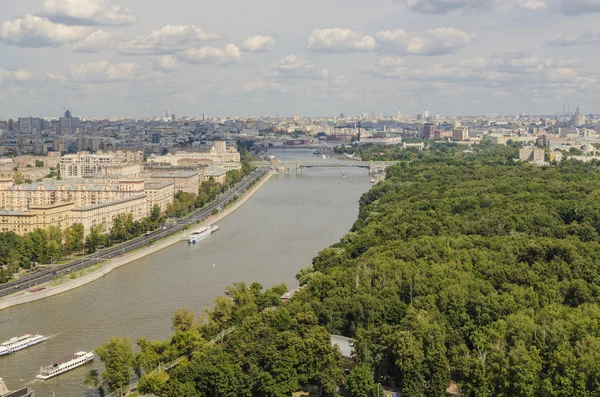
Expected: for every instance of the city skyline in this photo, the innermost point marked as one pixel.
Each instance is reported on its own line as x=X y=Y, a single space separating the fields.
x=124 y=59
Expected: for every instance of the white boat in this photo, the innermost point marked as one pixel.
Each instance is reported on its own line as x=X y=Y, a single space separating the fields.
x=65 y=364
x=343 y=174
x=372 y=180
x=214 y=228
x=199 y=235
x=19 y=343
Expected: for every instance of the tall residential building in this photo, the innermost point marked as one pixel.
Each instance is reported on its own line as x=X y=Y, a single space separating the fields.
x=460 y=133
x=29 y=125
x=68 y=124
x=428 y=130
x=578 y=118
x=83 y=163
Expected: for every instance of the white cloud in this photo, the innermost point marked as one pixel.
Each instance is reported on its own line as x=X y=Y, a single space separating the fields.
x=294 y=67
x=86 y=12
x=338 y=81
x=578 y=7
x=575 y=39
x=211 y=55
x=437 y=41
x=14 y=75
x=339 y=40
x=102 y=72
x=533 y=4
x=34 y=31
x=258 y=43
x=265 y=87
x=386 y=67
x=446 y=6
x=166 y=63
x=96 y=41
x=167 y=40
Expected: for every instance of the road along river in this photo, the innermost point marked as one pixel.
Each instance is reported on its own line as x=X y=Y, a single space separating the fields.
x=268 y=239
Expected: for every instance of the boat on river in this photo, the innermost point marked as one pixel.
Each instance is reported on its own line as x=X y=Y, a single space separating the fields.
x=19 y=343
x=65 y=364
x=202 y=234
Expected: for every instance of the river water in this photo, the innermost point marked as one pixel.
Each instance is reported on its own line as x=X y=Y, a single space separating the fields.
x=268 y=239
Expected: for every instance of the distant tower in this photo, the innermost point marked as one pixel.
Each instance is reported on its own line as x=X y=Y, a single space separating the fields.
x=425 y=114
x=167 y=114
x=11 y=125
x=578 y=118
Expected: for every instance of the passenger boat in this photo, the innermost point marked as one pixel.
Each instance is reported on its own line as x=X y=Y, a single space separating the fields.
x=65 y=364
x=19 y=343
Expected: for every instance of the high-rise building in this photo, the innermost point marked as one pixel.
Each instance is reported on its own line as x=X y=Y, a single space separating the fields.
x=156 y=137
x=428 y=130
x=68 y=124
x=578 y=118
x=425 y=114
x=460 y=133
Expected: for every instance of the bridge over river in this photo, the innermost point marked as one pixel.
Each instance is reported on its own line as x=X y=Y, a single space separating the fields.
x=374 y=167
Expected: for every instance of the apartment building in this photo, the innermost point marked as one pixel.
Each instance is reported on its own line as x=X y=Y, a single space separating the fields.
x=159 y=193
x=103 y=214
x=84 y=164
x=184 y=181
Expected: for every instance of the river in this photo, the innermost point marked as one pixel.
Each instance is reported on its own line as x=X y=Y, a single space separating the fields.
x=273 y=235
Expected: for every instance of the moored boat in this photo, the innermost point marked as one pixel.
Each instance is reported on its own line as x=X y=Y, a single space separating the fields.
x=65 y=364
x=199 y=235
x=19 y=343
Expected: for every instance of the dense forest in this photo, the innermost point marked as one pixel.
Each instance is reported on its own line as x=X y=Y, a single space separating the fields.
x=464 y=266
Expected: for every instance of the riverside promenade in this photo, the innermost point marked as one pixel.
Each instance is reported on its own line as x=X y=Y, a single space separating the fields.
x=109 y=265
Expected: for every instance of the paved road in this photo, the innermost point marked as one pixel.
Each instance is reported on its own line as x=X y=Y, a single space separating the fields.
x=46 y=275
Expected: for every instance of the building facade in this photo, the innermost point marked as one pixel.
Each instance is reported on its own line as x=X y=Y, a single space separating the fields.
x=83 y=163
x=184 y=181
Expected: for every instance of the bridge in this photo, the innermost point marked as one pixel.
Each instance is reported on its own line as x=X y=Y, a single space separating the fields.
x=374 y=167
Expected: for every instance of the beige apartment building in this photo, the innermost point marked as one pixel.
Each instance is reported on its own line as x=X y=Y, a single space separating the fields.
x=159 y=193
x=218 y=174
x=184 y=181
x=218 y=154
x=83 y=164
x=41 y=217
x=103 y=214
x=81 y=192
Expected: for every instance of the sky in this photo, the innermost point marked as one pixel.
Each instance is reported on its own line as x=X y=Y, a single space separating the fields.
x=137 y=58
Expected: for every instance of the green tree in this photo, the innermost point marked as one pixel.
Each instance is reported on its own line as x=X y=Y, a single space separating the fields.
x=153 y=383
x=39 y=163
x=182 y=320
x=18 y=178
x=73 y=238
x=92 y=380
x=360 y=381
x=117 y=356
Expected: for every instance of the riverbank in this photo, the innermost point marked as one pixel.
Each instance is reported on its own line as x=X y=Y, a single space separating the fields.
x=110 y=265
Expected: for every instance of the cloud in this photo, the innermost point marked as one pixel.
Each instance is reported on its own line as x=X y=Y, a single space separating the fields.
x=439 y=41
x=518 y=69
x=533 y=4
x=258 y=43
x=14 y=75
x=447 y=6
x=294 y=67
x=34 y=31
x=563 y=40
x=387 y=67
x=85 y=12
x=265 y=87
x=339 y=40
x=469 y=6
x=338 y=81
x=102 y=72
x=211 y=55
x=578 y=7
x=165 y=63
x=96 y=41
x=167 y=40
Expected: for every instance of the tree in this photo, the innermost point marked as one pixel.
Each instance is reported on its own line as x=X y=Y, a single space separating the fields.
x=94 y=239
x=182 y=320
x=73 y=237
x=92 y=380
x=18 y=178
x=117 y=356
x=153 y=383
x=39 y=163
x=360 y=381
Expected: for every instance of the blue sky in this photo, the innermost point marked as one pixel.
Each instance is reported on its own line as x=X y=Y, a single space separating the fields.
x=135 y=58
